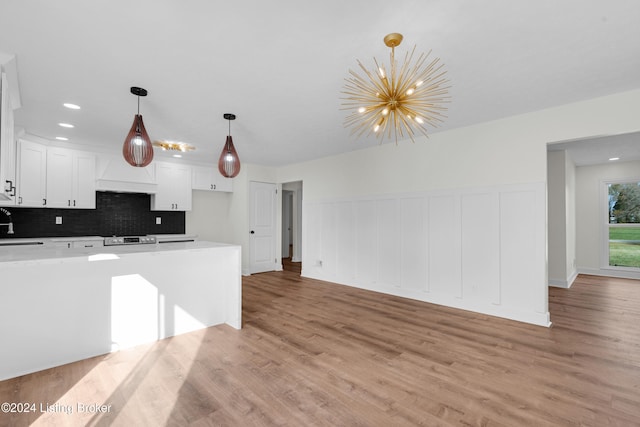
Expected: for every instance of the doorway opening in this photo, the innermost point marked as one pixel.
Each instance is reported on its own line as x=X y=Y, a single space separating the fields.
x=292 y=226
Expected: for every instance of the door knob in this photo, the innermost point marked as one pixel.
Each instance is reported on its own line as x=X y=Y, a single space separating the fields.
x=253 y=232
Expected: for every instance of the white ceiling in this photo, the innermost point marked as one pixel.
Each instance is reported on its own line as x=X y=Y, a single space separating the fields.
x=280 y=65
x=601 y=149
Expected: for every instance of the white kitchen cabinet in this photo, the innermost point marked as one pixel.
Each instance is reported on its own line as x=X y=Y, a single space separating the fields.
x=78 y=242
x=210 y=179
x=32 y=174
x=59 y=176
x=7 y=147
x=174 y=188
x=55 y=177
x=70 y=179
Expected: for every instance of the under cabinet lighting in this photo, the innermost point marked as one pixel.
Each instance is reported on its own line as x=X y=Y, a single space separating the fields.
x=65 y=125
x=71 y=106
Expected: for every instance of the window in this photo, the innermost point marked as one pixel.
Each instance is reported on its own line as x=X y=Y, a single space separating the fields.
x=624 y=224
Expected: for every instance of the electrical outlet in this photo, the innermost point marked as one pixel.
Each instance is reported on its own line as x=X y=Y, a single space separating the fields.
x=158 y=220
x=58 y=220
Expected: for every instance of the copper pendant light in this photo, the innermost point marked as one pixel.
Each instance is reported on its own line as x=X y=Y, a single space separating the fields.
x=137 y=149
x=229 y=162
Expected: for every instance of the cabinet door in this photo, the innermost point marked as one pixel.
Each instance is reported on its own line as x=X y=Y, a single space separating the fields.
x=7 y=147
x=202 y=178
x=209 y=179
x=71 y=181
x=174 y=188
x=84 y=181
x=32 y=179
x=59 y=178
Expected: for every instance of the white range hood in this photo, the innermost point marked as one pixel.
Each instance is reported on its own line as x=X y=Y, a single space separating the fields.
x=115 y=174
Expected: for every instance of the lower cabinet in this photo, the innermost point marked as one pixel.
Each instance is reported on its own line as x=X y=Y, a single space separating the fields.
x=78 y=243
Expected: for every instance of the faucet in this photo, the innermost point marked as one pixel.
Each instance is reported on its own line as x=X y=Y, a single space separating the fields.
x=8 y=224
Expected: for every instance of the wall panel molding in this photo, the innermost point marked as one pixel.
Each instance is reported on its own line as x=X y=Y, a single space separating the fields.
x=482 y=250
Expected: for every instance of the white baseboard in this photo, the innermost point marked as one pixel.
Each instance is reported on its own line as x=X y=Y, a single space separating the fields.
x=564 y=283
x=623 y=274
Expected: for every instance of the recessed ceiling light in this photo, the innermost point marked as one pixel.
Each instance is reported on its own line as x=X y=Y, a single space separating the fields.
x=61 y=138
x=178 y=156
x=65 y=125
x=614 y=159
x=71 y=106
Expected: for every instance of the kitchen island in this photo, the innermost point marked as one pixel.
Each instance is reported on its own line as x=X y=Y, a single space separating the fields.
x=59 y=305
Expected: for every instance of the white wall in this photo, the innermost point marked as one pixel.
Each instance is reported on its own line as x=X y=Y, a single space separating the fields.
x=590 y=234
x=477 y=249
x=209 y=217
x=561 y=219
x=571 y=262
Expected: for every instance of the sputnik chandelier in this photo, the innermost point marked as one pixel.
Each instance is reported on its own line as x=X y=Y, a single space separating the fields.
x=399 y=103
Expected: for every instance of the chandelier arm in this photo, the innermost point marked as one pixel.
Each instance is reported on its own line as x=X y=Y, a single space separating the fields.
x=372 y=86
x=383 y=81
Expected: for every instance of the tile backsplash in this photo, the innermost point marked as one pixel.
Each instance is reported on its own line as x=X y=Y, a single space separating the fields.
x=121 y=214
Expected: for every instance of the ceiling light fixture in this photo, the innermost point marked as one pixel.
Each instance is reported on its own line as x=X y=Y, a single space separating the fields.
x=173 y=145
x=71 y=106
x=613 y=159
x=65 y=125
x=137 y=149
x=229 y=162
x=400 y=102
x=62 y=138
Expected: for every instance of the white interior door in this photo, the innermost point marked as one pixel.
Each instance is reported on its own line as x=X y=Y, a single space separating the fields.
x=262 y=250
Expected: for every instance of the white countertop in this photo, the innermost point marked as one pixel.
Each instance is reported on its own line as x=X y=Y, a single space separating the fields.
x=35 y=253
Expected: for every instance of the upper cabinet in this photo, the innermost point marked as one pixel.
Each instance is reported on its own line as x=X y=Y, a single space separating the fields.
x=209 y=179
x=7 y=146
x=55 y=177
x=174 y=187
x=70 y=179
x=32 y=174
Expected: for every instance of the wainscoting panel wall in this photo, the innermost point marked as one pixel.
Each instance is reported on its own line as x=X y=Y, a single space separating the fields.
x=476 y=249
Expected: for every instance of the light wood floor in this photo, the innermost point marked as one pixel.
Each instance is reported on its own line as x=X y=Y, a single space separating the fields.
x=313 y=353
